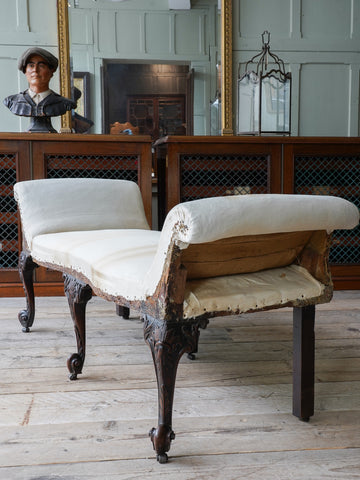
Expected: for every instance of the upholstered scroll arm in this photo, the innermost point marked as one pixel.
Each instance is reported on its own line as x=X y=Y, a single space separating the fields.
x=244 y=235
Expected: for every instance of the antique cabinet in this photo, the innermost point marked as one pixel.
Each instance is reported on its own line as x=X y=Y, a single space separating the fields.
x=329 y=166
x=15 y=165
x=34 y=156
x=157 y=115
x=187 y=168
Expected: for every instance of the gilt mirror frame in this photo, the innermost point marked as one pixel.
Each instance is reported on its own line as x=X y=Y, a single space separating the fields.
x=64 y=58
x=226 y=63
x=226 y=68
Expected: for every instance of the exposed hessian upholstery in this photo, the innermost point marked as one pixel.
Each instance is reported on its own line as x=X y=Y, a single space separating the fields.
x=214 y=256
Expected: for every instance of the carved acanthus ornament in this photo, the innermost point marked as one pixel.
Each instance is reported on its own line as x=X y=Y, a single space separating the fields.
x=168 y=341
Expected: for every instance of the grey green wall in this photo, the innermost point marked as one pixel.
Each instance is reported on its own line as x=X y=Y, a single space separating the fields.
x=138 y=30
x=319 y=40
x=23 y=23
x=147 y=31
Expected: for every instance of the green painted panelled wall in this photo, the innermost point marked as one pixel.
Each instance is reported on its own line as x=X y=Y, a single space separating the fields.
x=319 y=40
x=23 y=23
x=136 y=30
x=147 y=31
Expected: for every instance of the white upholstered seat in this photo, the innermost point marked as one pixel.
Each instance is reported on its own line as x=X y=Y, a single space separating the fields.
x=104 y=236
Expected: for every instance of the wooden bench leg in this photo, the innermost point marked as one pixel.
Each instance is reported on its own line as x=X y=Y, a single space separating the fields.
x=168 y=342
x=303 y=361
x=26 y=271
x=78 y=294
x=122 y=311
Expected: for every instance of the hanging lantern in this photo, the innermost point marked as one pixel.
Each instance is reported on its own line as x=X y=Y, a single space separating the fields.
x=264 y=96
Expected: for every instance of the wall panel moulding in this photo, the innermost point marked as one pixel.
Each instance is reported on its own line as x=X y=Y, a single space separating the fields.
x=179 y=5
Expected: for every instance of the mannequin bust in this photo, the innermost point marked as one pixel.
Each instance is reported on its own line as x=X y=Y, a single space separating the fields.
x=38 y=101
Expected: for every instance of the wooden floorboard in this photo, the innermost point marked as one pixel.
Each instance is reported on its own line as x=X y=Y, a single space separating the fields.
x=232 y=412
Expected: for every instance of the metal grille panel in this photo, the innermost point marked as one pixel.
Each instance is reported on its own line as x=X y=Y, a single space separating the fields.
x=8 y=212
x=205 y=176
x=123 y=167
x=339 y=176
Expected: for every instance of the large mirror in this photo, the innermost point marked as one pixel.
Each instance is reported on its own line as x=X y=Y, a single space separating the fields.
x=108 y=51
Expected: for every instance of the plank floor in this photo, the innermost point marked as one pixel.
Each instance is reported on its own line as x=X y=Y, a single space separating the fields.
x=232 y=413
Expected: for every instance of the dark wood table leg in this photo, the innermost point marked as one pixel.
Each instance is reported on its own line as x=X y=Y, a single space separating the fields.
x=123 y=311
x=26 y=271
x=168 y=342
x=78 y=294
x=303 y=361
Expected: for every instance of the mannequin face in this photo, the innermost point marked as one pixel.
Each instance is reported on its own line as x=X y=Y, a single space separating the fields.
x=38 y=73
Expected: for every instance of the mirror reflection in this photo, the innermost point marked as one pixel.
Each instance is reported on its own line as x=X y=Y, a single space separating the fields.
x=143 y=70
x=103 y=36
x=148 y=97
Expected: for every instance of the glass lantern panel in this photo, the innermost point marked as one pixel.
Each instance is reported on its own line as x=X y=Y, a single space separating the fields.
x=215 y=117
x=248 y=104
x=275 y=105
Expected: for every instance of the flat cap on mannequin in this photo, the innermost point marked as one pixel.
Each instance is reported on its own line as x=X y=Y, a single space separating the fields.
x=50 y=59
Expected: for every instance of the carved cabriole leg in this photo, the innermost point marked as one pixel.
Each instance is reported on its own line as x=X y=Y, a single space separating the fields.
x=168 y=341
x=78 y=294
x=303 y=361
x=26 y=271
